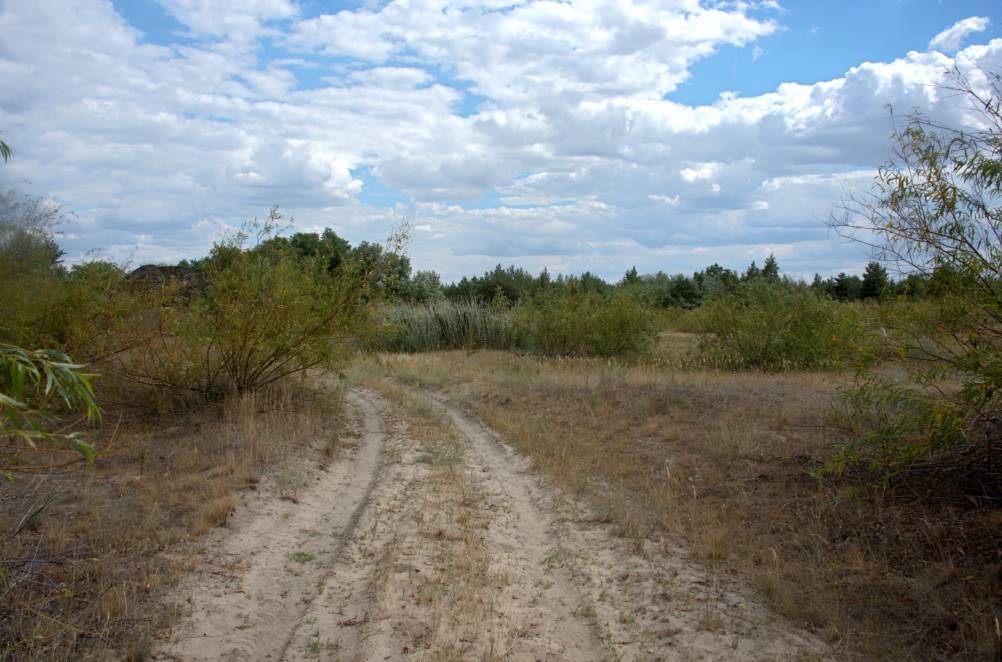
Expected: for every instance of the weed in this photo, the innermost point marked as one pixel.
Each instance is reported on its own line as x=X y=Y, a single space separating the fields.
x=725 y=462
x=315 y=646
x=301 y=557
x=552 y=561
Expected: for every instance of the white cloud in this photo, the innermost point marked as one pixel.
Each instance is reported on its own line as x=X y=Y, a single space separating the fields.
x=952 y=38
x=670 y=201
x=704 y=171
x=241 y=20
x=528 y=132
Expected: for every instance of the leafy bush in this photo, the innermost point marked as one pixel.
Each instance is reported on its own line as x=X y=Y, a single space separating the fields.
x=265 y=315
x=443 y=324
x=776 y=327
x=30 y=273
x=586 y=323
x=934 y=213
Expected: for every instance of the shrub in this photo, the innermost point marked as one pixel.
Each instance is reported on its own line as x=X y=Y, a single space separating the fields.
x=934 y=213
x=776 y=327
x=264 y=316
x=586 y=323
x=30 y=274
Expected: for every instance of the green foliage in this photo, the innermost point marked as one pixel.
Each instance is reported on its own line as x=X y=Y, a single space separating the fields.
x=385 y=273
x=440 y=324
x=875 y=283
x=586 y=323
x=30 y=273
x=847 y=287
x=715 y=281
x=664 y=291
x=268 y=312
x=34 y=385
x=511 y=285
x=266 y=317
x=935 y=213
x=424 y=287
x=775 y=327
x=569 y=321
x=770 y=270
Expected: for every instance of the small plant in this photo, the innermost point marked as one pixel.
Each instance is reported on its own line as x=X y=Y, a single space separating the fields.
x=301 y=557
x=552 y=561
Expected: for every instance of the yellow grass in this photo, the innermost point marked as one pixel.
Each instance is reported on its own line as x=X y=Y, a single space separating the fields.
x=108 y=542
x=723 y=462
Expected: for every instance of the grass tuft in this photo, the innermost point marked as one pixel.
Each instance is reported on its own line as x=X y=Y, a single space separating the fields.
x=726 y=462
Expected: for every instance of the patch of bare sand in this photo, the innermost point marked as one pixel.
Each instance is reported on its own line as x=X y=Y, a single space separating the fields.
x=256 y=579
x=451 y=549
x=652 y=603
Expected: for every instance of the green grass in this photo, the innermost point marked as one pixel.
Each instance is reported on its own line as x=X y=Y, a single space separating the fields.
x=441 y=325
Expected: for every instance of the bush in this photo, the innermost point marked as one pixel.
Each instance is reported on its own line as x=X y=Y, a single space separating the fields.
x=586 y=323
x=934 y=214
x=30 y=273
x=264 y=316
x=776 y=327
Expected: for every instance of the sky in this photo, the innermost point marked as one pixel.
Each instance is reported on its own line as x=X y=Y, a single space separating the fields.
x=582 y=135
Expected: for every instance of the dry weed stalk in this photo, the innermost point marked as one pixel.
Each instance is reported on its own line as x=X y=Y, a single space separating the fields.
x=725 y=461
x=90 y=555
x=457 y=591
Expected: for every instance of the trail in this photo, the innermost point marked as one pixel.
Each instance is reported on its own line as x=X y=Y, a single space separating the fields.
x=447 y=546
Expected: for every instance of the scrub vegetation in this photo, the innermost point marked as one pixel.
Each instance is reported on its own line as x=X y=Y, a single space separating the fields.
x=834 y=444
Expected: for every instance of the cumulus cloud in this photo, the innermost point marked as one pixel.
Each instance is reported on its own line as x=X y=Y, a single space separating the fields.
x=952 y=38
x=243 y=19
x=530 y=132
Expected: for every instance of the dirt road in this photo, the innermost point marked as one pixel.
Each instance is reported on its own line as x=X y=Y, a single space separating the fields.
x=430 y=539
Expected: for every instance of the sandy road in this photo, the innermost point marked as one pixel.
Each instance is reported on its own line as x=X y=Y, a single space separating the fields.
x=435 y=541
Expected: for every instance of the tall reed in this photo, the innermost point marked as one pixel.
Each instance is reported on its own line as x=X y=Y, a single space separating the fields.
x=441 y=325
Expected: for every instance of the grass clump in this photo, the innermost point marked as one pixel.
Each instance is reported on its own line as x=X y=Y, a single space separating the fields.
x=442 y=324
x=727 y=462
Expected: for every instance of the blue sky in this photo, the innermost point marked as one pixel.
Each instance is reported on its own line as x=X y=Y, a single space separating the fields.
x=577 y=135
x=819 y=41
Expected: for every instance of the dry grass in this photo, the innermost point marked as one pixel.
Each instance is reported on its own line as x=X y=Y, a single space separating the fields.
x=89 y=570
x=456 y=591
x=723 y=461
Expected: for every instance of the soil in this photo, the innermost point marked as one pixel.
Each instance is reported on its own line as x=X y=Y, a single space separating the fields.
x=405 y=550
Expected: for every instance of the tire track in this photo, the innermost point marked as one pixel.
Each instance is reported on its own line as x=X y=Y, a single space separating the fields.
x=253 y=592
x=449 y=547
x=651 y=603
x=449 y=562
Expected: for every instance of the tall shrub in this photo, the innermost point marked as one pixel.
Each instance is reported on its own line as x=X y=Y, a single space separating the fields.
x=935 y=212
x=264 y=315
x=30 y=273
x=586 y=323
x=776 y=327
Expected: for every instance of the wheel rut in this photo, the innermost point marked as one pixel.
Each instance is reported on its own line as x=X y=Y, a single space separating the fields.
x=435 y=540
x=251 y=591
